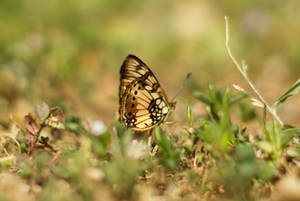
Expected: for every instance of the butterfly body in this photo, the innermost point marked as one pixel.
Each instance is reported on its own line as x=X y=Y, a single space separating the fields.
x=143 y=103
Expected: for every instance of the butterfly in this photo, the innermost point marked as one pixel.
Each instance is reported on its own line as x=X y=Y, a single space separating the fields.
x=143 y=102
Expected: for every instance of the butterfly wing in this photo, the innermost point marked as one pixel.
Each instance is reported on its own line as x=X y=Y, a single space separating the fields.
x=143 y=103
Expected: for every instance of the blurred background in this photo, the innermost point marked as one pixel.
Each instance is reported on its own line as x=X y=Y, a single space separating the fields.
x=69 y=53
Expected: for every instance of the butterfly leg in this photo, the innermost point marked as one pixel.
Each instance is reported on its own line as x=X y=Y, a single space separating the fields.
x=151 y=137
x=154 y=151
x=151 y=142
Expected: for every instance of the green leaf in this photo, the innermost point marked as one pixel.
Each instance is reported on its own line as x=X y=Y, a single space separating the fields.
x=265 y=146
x=100 y=143
x=44 y=140
x=213 y=93
x=73 y=124
x=202 y=97
x=189 y=115
x=7 y=161
x=237 y=98
x=122 y=177
x=292 y=91
x=247 y=112
x=169 y=156
x=287 y=135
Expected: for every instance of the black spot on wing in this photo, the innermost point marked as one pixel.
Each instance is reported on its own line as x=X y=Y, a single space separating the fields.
x=156 y=113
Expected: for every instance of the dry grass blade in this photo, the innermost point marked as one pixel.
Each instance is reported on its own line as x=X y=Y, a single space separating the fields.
x=244 y=74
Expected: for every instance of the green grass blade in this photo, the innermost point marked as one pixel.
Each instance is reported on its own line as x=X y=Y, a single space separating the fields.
x=288 y=135
x=292 y=91
x=202 y=97
x=237 y=98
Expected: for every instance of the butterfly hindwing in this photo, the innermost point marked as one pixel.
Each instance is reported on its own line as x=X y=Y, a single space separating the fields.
x=143 y=103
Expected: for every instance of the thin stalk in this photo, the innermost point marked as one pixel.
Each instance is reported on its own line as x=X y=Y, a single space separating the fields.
x=244 y=74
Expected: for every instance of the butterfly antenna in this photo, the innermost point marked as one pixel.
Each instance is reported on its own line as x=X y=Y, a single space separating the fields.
x=181 y=87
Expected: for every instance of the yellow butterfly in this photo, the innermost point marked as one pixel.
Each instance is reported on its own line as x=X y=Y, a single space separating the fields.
x=143 y=103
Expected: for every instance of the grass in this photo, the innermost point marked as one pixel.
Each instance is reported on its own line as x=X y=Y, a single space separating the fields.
x=209 y=158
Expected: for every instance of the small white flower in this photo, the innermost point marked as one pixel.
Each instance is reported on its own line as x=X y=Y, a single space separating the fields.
x=137 y=149
x=97 y=127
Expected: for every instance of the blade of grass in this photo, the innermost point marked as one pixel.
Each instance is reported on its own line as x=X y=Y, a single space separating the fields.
x=243 y=69
x=292 y=91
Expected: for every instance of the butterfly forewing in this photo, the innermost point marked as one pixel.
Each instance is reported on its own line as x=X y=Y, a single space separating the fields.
x=143 y=103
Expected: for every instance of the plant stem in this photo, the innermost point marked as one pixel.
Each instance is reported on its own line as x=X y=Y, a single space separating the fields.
x=244 y=74
x=33 y=140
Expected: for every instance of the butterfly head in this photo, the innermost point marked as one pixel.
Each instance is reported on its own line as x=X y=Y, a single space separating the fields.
x=172 y=106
